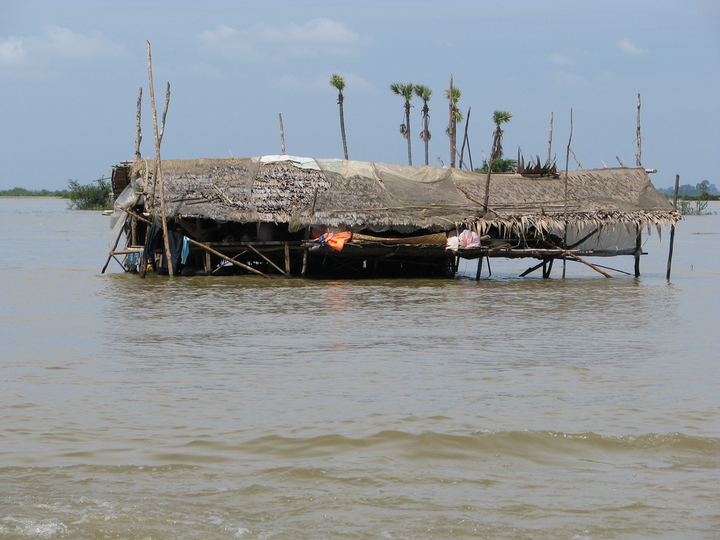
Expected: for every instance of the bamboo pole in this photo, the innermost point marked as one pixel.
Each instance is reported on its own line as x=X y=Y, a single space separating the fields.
x=451 y=126
x=577 y=160
x=591 y=265
x=282 y=134
x=138 y=132
x=158 y=166
x=465 y=139
x=567 y=165
x=208 y=249
x=638 y=250
x=550 y=139
x=264 y=257
x=112 y=252
x=672 y=229
x=287 y=260
x=638 y=156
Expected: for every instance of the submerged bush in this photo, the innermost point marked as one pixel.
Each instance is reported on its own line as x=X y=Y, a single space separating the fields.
x=94 y=196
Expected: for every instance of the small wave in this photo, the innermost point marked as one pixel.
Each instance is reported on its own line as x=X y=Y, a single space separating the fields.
x=538 y=446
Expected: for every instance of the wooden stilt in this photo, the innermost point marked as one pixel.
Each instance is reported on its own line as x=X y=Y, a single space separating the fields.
x=208 y=262
x=304 y=263
x=672 y=229
x=479 y=268
x=287 y=260
x=638 y=251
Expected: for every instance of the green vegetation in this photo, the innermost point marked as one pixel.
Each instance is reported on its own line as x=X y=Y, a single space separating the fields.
x=704 y=191
x=687 y=208
x=500 y=165
x=22 y=192
x=94 y=196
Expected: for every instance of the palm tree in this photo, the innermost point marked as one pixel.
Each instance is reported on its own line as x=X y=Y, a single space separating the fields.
x=453 y=95
x=339 y=82
x=406 y=91
x=499 y=118
x=424 y=93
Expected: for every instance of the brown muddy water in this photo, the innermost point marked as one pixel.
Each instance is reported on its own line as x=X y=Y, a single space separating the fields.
x=226 y=408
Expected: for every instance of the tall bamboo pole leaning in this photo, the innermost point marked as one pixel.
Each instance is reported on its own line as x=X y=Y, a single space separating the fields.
x=567 y=165
x=638 y=156
x=672 y=228
x=158 y=166
x=550 y=139
x=138 y=131
x=451 y=125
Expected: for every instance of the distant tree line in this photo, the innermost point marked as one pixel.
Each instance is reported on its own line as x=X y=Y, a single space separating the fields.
x=92 y=196
x=22 y=192
x=704 y=191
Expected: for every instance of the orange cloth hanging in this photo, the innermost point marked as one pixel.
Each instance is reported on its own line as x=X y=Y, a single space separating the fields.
x=336 y=241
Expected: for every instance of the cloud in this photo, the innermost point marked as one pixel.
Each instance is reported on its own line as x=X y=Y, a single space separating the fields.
x=569 y=80
x=629 y=47
x=55 y=44
x=561 y=60
x=279 y=42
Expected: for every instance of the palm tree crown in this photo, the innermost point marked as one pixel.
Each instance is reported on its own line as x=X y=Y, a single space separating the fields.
x=456 y=94
x=499 y=118
x=338 y=82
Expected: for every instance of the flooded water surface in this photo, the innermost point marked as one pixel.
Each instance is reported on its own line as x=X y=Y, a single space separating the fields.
x=225 y=408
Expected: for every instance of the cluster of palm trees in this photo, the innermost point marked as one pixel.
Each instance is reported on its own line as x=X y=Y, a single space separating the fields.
x=407 y=91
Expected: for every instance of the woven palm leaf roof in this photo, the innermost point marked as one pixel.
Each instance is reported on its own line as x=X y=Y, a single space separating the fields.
x=377 y=196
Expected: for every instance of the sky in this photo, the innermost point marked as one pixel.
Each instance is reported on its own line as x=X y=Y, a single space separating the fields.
x=70 y=73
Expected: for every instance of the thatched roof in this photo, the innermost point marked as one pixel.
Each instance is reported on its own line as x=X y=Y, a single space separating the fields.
x=360 y=195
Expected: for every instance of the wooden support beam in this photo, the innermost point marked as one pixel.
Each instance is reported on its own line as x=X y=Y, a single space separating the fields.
x=287 y=260
x=532 y=268
x=210 y=250
x=264 y=257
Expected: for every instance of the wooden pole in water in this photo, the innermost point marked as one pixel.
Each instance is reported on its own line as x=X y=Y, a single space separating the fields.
x=287 y=260
x=567 y=165
x=638 y=250
x=672 y=229
x=158 y=166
